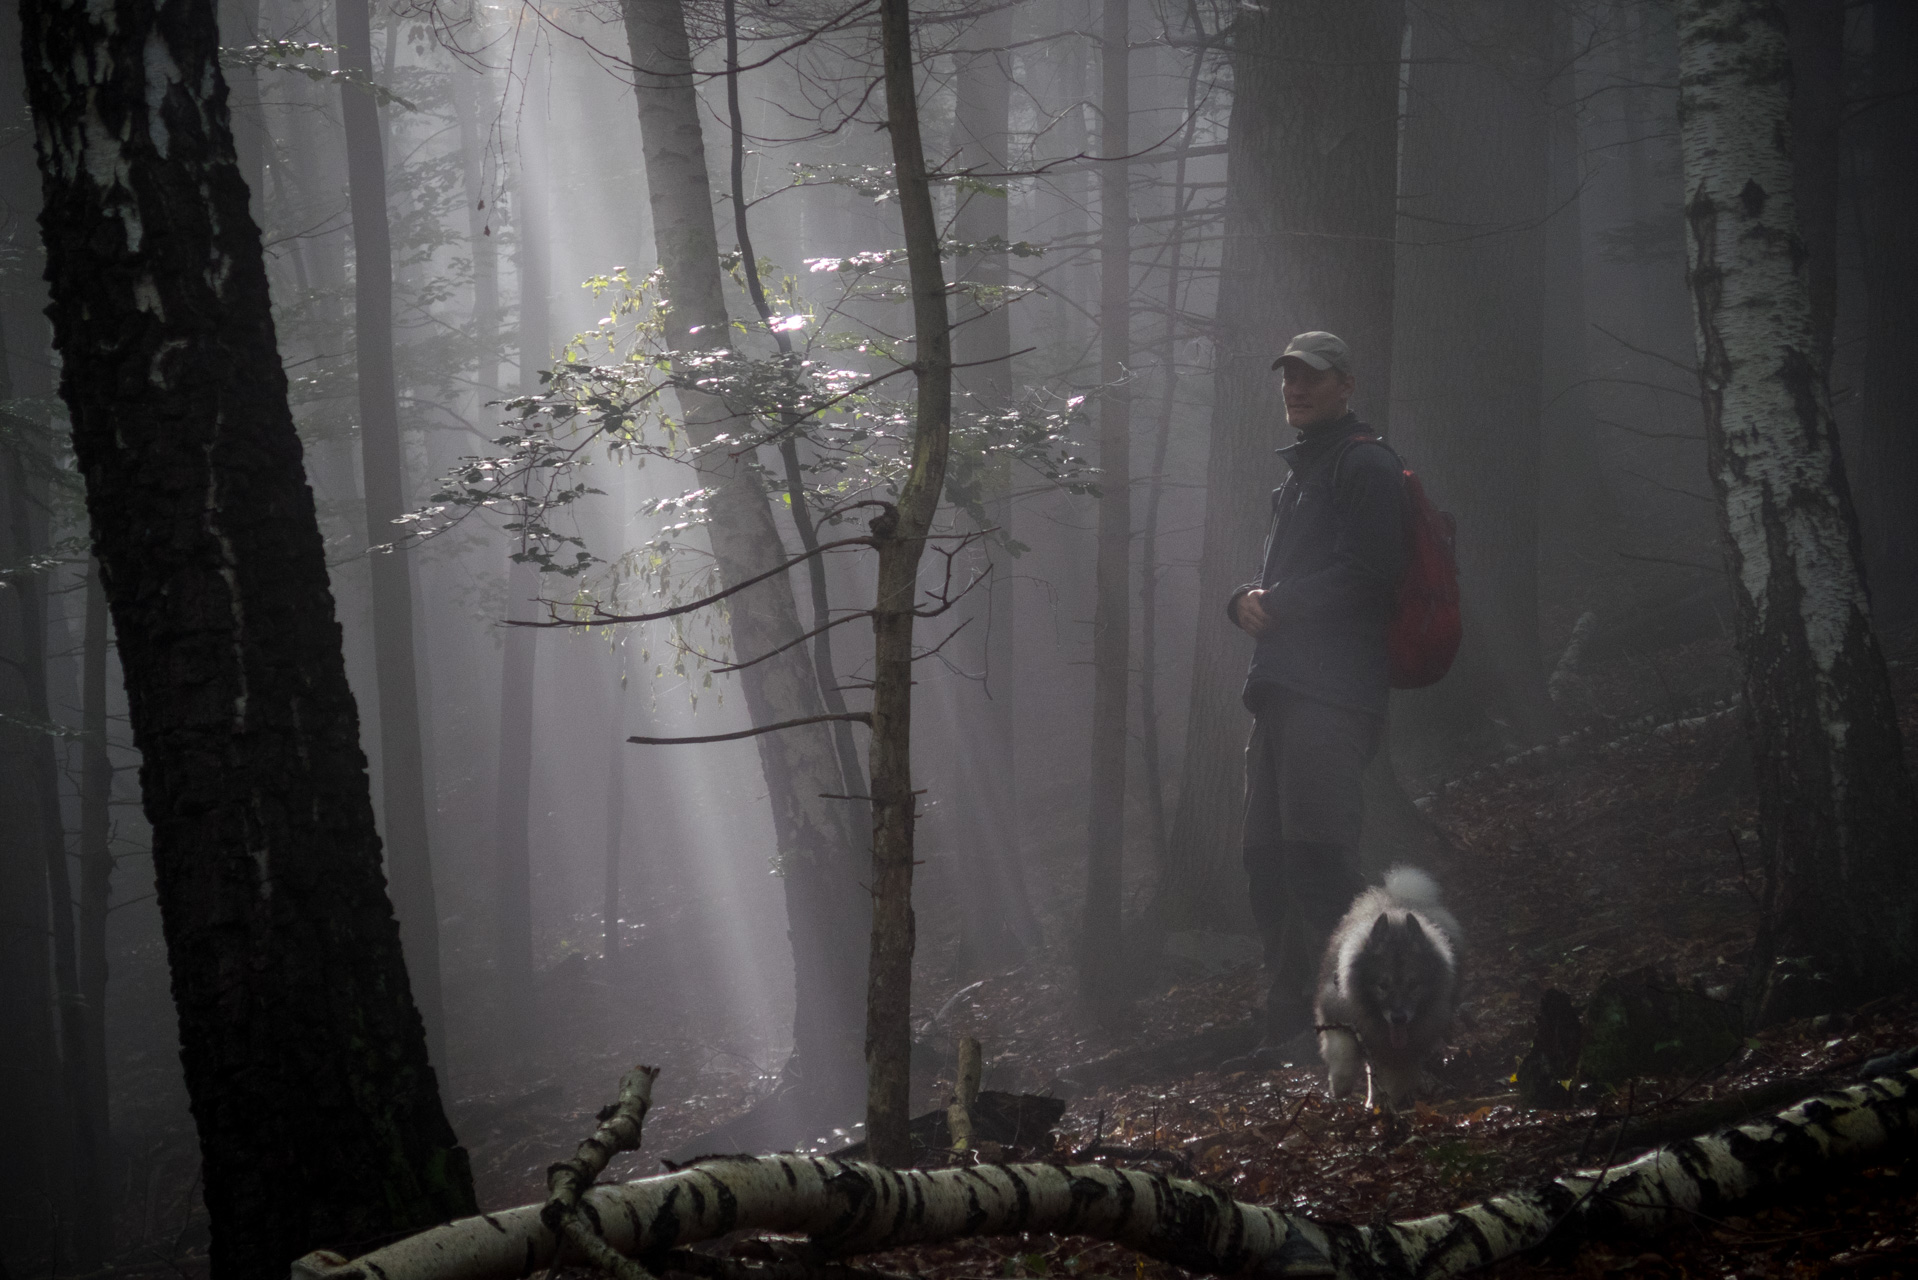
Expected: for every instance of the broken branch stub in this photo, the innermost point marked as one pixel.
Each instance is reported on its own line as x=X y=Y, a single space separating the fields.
x=965 y=1094
x=620 y=1128
x=851 y=1208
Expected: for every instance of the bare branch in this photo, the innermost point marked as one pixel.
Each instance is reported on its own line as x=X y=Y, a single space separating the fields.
x=857 y=717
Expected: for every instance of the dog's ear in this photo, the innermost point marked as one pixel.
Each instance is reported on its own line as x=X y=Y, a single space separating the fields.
x=1382 y=927
x=1413 y=932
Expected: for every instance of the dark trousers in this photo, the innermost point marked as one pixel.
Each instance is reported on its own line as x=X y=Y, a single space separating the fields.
x=1304 y=810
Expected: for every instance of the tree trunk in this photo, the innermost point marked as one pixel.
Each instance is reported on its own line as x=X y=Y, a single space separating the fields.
x=1312 y=156
x=513 y=961
x=826 y=905
x=96 y=860
x=996 y=918
x=1154 y=772
x=294 y=1012
x=900 y=534
x=239 y=27
x=853 y=776
x=1836 y=816
x=1817 y=30
x=409 y=866
x=847 y=1209
x=1100 y=944
x=32 y=1137
x=27 y=465
x=1477 y=147
x=1887 y=467
x=615 y=821
x=471 y=93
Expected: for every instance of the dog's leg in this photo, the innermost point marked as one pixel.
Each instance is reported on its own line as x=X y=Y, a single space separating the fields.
x=1344 y=1061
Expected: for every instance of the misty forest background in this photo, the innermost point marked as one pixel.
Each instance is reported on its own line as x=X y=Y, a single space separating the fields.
x=1484 y=197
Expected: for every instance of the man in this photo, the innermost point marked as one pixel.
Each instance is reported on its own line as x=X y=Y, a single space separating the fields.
x=1318 y=682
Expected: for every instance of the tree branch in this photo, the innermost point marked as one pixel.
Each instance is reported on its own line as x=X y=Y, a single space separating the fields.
x=850 y=1208
x=857 y=717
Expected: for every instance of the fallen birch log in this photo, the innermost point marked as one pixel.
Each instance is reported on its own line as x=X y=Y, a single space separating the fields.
x=851 y=1208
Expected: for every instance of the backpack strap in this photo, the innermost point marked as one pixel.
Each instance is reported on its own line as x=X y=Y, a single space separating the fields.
x=1353 y=441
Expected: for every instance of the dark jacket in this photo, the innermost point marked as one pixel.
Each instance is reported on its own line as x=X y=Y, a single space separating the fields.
x=1332 y=565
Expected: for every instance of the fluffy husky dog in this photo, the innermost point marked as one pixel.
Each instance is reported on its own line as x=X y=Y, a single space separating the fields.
x=1388 y=987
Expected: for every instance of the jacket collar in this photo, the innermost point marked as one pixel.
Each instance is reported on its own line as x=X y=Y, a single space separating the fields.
x=1312 y=444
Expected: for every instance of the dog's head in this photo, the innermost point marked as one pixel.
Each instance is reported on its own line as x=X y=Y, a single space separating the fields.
x=1398 y=973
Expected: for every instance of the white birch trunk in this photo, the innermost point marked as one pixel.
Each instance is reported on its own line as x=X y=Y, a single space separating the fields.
x=1836 y=813
x=850 y=1208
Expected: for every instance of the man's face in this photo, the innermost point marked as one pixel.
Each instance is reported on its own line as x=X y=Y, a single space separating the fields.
x=1313 y=396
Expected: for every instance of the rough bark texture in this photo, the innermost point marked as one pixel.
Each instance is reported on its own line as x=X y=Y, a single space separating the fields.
x=1100 y=942
x=825 y=905
x=403 y=792
x=859 y=1208
x=1836 y=816
x=1312 y=157
x=295 y=1016
x=901 y=538
x=1477 y=147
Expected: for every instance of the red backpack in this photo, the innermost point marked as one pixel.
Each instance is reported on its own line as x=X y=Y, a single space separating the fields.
x=1424 y=635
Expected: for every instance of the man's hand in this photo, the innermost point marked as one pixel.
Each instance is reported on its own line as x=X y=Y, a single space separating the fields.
x=1251 y=615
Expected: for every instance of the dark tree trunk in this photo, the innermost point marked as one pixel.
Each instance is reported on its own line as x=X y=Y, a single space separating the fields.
x=1818 y=150
x=1100 y=943
x=409 y=866
x=901 y=538
x=96 y=857
x=1477 y=147
x=32 y=1138
x=1887 y=465
x=1836 y=817
x=826 y=905
x=239 y=27
x=1312 y=155
x=319 y=1118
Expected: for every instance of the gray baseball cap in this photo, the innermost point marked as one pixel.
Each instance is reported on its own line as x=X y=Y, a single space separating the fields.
x=1319 y=350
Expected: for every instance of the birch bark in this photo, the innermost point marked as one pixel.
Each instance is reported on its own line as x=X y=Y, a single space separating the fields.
x=849 y=1208
x=1836 y=815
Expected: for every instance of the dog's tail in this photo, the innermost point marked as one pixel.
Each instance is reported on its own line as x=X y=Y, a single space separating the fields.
x=1414 y=888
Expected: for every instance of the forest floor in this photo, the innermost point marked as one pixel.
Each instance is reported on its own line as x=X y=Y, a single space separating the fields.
x=1618 y=855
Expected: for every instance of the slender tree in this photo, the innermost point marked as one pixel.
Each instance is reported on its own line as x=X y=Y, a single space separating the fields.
x=403 y=796
x=900 y=533
x=995 y=912
x=1312 y=152
x=1837 y=822
x=513 y=793
x=1100 y=943
x=294 y=1008
x=31 y=1131
x=96 y=860
x=826 y=905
